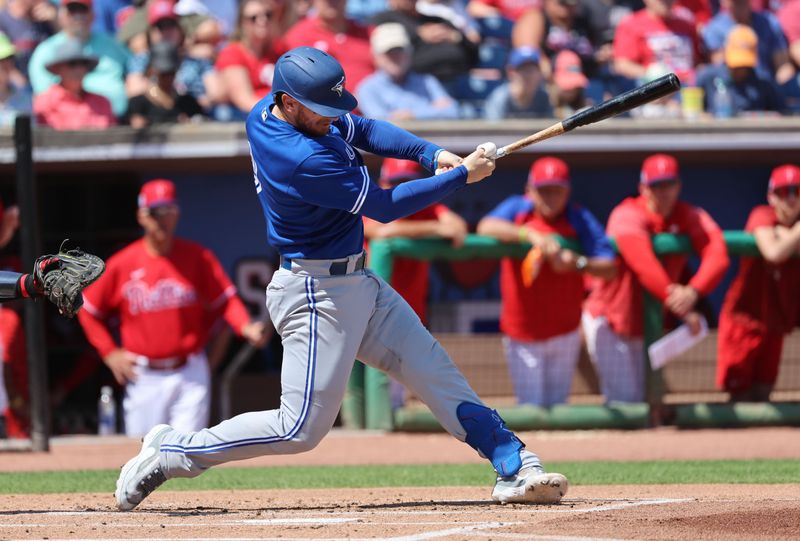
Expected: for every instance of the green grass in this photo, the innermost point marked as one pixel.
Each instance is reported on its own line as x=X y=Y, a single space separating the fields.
x=579 y=473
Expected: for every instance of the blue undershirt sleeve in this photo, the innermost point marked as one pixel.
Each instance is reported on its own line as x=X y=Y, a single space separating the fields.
x=509 y=208
x=385 y=139
x=590 y=233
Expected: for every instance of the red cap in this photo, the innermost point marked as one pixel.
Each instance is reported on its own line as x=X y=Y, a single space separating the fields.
x=394 y=170
x=783 y=176
x=87 y=3
x=157 y=193
x=549 y=171
x=160 y=10
x=658 y=168
x=569 y=73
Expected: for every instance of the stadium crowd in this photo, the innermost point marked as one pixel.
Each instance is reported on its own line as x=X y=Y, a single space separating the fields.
x=95 y=63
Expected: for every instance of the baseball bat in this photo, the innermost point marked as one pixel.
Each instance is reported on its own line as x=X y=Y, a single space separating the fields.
x=658 y=88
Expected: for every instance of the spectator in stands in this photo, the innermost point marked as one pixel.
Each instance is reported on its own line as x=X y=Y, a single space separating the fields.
x=568 y=91
x=396 y=93
x=109 y=15
x=773 y=53
x=195 y=76
x=748 y=89
x=67 y=105
x=222 y=12
x=439 y=48
x=454 y=12
x=329 y=29
x=246 y=65
x=763 y=303
x=541 y=306
x=612 y=319
x=564 y=25
x=410 y=277
x=508 y=9
x=789 y=18
x=525 y=94
x=161 y=103
x=165 y=293
x=364 y=10
x=107 y=79
x=655 y=35
x=13 y=98
x=27 y=23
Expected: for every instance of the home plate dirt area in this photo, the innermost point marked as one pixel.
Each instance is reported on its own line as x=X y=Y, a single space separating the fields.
x=599 y=513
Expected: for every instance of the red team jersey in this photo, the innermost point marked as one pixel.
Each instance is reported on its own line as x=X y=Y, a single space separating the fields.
x=164 y=304
x=260 y=70
x=13 y=354
x=512 y=9
x=645 y=39
x=351 y=48
x=410 y=276
x=632 y=224
x=764 y=293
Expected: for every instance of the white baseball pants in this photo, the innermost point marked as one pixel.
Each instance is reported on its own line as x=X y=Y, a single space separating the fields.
x=542 y=371
x=180 y=397
x=619 y=360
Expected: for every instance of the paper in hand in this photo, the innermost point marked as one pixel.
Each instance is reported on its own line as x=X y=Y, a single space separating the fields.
x=675 y=343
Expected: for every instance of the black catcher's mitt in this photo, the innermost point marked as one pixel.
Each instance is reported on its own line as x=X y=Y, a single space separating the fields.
x=62 y=277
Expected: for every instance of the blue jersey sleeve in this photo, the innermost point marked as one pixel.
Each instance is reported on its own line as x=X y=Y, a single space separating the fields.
x=591 y=235
x=511 y=207
x=385 y=139
x=322 y=180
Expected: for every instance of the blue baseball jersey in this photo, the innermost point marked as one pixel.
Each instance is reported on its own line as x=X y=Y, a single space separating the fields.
x=590 y=233
x=314 y=190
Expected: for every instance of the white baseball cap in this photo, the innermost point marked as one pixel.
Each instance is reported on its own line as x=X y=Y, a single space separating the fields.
x=388 y=36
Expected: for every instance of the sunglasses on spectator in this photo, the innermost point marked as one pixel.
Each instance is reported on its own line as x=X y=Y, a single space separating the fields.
x=161 y=212
x=266 y=15
x=166 y=24
x=78 y=64
x=77 y=9
x=786 y=191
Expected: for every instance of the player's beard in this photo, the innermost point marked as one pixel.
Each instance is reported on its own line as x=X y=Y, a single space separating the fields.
x=313 y=124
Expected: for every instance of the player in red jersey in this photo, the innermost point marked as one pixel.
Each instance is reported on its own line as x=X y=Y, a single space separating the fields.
x=541 y=317
x=165 y=292
x=613 y=314
x=763 y=303
x=410 y=276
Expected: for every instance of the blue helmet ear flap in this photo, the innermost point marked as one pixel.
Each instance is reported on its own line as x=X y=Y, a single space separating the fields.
x=487 y=434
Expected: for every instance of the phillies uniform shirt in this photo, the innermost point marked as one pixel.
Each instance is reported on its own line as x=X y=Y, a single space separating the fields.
x=410 y=277
x=552 y=305
x=632 y=224
x=314 y=190
x=260 y=70
x=765 y=293
x=351 y=47
x=164 y=303
x=646 y=39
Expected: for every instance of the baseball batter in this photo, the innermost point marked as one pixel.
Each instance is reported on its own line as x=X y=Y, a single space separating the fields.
x=329 y=309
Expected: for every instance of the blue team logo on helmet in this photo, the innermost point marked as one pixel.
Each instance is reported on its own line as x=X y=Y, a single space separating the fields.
x=315 y=79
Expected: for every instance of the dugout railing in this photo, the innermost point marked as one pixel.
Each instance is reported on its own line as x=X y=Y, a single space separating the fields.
x=368 y=402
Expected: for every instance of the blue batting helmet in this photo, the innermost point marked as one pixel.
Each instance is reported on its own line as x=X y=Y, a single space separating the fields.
x=315 y=79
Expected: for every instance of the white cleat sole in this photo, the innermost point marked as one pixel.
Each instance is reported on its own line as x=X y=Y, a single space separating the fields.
x=542 y=488
x=132 y=467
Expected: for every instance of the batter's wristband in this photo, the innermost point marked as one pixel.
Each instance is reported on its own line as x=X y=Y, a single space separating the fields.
x=436 y=159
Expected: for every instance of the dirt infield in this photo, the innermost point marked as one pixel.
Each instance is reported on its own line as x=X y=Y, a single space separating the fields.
x=588 y=513
x=718 y=513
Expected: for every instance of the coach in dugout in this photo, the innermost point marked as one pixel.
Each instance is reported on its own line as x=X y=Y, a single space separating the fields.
x=613 y=314
x=763 y=303
x=541 y=315
x=166 y=293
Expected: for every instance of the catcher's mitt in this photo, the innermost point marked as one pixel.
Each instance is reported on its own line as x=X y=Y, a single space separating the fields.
x=62 y=277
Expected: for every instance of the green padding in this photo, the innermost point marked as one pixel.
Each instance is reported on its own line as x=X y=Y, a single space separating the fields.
x=571 y=417
x=740 y=414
